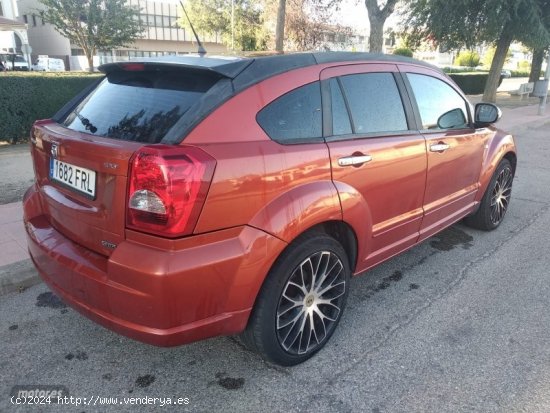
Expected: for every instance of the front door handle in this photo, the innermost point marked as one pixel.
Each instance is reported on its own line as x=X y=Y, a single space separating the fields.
x=439 y=147
x=354 y=160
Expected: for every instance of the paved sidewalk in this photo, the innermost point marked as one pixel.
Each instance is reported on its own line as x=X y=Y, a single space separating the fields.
x=17 y=271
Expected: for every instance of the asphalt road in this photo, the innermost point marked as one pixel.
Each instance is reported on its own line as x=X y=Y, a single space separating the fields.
x=460 y=323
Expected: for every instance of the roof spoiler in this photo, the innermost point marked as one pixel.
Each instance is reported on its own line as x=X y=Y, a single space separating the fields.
x=229 y=68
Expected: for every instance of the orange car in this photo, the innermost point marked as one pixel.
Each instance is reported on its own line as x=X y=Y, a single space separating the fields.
x=183 y=198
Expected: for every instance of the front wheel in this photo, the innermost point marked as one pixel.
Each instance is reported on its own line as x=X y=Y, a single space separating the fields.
x=496 y=199
x=301 y=301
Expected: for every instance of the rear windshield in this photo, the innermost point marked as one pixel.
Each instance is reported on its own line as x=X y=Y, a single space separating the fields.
x=139 y=106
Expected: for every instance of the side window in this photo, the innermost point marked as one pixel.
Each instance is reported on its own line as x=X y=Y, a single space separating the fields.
x=374 y=102
x=340 y=118
x=295 y=116
x=440 y=106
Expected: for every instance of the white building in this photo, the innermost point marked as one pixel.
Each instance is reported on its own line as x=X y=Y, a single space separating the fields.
x=161 y=35
x=13 y=34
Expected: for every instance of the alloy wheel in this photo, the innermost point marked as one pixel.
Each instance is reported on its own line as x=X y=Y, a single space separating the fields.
x=311 y=303
x=500 y=197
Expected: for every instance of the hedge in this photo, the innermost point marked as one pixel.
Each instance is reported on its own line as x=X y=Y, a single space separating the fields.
x=403 y=51
x=26 y=97
x=472 y=83
x=520 y=73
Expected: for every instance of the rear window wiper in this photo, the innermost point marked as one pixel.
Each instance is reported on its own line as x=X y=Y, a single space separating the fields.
x=86 y=122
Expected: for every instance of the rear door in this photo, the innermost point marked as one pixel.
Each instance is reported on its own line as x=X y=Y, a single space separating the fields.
x=455 y=149
x=81 y=161
x=376 y=151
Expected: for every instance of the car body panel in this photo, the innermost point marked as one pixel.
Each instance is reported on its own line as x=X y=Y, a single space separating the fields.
x=262 y=197
x=499 y=144
x=159 y=301
x=88 y=222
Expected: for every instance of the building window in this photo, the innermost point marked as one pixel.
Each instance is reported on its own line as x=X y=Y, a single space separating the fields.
x=77 y=52
x=1 y=11
x=25 y=19
x=34 y=20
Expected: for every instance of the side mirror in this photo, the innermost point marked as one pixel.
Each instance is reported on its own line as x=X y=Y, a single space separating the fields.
x=452 y=119
x=486 y=114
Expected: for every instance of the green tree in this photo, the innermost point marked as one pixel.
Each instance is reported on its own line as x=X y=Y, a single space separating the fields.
x=378 y=14
x=490 y=54
x=468 y=58
x=244 y=31
x=468 y=23
x=93 y=24
x=403 y=51
x=310 y=26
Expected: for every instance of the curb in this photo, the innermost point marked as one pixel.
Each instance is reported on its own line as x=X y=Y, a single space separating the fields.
x=18 y=277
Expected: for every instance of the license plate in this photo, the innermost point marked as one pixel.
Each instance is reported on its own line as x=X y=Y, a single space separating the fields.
x=74 y=177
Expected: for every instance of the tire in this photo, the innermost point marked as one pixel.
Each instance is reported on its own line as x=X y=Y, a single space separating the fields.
x=496 y=199
x=289 y=303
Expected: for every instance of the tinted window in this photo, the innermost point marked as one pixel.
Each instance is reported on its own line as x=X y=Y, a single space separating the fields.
x=340 y=118
x=138 y=106
x=436 y=98
x=294 y=116
x=374 y=102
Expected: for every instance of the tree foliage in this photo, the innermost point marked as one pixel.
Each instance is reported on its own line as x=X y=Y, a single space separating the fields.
x=93 y=24
x=403 y=51
x=214 y=17
x=309 y=24
x=468 y=58
x=460 y=23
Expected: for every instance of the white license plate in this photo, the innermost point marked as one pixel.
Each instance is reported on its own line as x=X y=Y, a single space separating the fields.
x=75 y=177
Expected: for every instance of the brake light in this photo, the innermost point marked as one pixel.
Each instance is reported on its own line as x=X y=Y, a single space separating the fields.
x=167 y=189
x=133 y=67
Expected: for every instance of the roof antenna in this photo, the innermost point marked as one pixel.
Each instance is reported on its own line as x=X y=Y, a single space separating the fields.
x=202 y=50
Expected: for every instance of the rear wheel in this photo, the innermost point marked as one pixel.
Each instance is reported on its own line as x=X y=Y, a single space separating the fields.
x=301 y=301
x=496 y=199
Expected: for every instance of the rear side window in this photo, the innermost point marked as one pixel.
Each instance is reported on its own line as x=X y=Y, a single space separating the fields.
x=374 y=102
x=440 y=106
x=294 y=117
x=138 y=106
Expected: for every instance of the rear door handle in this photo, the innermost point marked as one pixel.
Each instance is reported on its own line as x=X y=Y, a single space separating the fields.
x=354 y=160
x=439 y=147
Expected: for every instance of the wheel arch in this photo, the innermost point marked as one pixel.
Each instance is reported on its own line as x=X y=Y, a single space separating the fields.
x=500 y=147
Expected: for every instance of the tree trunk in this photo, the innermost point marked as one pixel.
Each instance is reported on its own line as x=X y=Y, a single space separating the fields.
x=280 y=28
x=376 y=39
x=90 y=57
x=536 y=64
x=377 y=18
x=503 y=44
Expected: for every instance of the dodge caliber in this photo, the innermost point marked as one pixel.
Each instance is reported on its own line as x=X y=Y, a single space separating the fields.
x=183 y=198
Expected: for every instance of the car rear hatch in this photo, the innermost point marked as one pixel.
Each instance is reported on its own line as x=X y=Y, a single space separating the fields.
x=82 y=158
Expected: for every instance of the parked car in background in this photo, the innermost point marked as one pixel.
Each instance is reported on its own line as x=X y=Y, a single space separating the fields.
x=14 y=62
x=182 y=198
x=505 y=74
x=48 y=64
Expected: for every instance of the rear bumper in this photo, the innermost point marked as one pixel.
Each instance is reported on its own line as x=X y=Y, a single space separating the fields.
x=200 y=287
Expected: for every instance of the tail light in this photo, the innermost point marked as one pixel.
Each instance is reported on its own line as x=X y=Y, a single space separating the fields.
x=167 y=189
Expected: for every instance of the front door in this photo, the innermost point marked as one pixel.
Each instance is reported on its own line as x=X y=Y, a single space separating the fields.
x=455 y=150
